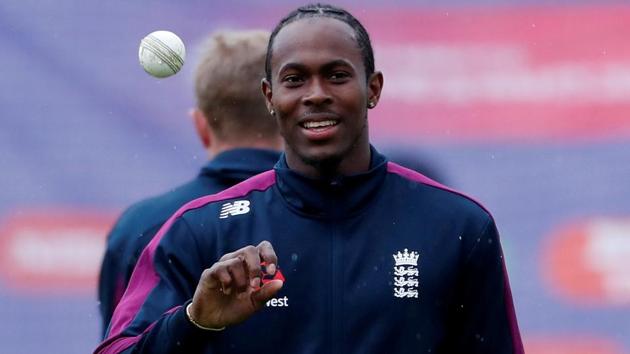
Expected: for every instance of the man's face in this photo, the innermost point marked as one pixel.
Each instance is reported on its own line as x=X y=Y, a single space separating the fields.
x=319 y=90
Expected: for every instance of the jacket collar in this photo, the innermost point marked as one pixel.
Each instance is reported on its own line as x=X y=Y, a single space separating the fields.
x=341 y=197
x=239 y=164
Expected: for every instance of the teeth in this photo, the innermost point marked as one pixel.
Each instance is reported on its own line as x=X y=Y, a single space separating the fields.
x=325 y=123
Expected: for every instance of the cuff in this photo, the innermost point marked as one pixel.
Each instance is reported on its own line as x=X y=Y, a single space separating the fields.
x=185 y=333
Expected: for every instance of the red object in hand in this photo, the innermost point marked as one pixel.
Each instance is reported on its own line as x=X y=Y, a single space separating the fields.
x=266 y=278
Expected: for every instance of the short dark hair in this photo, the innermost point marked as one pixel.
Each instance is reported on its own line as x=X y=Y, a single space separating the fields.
x=326 y=10
x=227 y=85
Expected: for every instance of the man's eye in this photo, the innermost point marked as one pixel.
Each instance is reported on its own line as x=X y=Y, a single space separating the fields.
x=339 y=76
x=292 y=79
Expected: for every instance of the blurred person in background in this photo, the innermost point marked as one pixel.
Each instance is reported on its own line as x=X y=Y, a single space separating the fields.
x=238 y=134
x=377 y=258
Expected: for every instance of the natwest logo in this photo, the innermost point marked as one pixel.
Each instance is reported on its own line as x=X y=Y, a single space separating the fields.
x=52 y=251
x=278 y=302
x=588 y=261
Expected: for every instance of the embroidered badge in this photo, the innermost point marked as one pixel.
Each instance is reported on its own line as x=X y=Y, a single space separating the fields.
x=406 y=274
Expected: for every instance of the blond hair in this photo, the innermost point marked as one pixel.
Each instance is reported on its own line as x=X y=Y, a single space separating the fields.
x=227 y=85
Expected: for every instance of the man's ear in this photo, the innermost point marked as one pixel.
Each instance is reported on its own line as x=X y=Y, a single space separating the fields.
x=202 y=127
x=375 y=87
x=266 y=91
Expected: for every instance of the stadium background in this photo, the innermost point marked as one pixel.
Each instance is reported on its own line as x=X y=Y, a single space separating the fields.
x=522 y=104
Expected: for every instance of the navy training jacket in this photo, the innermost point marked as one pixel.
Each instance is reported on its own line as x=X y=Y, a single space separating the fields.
x=386 y=261
x=141 y=221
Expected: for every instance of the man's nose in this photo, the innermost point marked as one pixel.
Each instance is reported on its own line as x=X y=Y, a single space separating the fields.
x=318 y=94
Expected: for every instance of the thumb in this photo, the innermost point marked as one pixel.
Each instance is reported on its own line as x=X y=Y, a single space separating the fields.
x=267 y=291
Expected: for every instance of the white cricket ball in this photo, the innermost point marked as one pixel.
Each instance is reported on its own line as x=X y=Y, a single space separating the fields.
x=162 y=53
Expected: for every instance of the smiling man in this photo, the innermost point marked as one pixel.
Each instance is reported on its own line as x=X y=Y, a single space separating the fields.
x=320 y=91
x=336 y=250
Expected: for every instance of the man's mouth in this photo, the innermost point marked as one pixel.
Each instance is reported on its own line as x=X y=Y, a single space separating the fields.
x=319 y=125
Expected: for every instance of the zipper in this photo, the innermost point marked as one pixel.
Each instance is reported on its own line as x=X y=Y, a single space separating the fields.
x=337 y=290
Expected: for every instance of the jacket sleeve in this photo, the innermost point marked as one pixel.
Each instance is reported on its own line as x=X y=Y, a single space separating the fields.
x=151 y=317
x=484 y=321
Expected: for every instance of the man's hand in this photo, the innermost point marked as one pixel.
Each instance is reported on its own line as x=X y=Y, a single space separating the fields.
x=230 y=291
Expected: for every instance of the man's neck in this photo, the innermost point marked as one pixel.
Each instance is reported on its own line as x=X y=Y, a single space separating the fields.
x=358 y=161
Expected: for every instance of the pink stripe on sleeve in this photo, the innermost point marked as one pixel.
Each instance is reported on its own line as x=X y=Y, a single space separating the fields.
x=418 y=177
x=117 y=344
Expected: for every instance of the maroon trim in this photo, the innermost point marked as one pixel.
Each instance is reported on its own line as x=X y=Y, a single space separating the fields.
x=115 y=345
x=418 y=177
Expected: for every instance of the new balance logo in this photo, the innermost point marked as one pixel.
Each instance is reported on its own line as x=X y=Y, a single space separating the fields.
x=239 y=207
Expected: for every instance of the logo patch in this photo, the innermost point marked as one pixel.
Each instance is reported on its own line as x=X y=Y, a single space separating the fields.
x=238 y=207
x=406 y=274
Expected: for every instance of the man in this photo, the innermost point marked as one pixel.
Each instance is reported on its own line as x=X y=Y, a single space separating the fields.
x=236 y=130
x=334 y=251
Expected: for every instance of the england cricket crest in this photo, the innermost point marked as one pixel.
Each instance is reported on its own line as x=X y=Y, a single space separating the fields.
x=406 y=274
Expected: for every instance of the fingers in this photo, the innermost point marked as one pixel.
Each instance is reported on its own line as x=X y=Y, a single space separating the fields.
x=254 y=255
x=268 y=255
x=221 y=276
x=265 y=293
x=241 y=269
x=237 y=267
x=252 y=260
x=232 y=289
